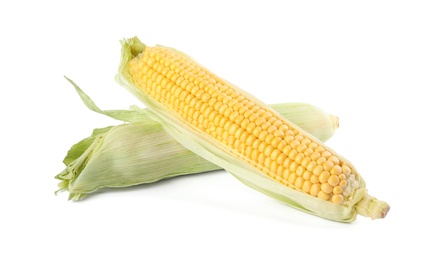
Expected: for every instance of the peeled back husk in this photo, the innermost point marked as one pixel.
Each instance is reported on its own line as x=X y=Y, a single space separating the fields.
x=142 y=152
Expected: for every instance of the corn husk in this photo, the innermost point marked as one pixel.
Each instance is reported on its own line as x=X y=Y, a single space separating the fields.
x=209 y=148
x=140 y=151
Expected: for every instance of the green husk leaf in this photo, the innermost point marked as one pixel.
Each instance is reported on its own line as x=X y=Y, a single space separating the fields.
x=122 y=115
x=79 y=148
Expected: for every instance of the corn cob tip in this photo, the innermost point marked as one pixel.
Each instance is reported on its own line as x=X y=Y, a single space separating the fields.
x=371 y=207
x=335 y=121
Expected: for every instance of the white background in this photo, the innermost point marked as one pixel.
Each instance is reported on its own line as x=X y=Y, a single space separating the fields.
x=374 y=64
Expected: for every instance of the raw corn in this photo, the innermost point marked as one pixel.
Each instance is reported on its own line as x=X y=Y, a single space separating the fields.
x=241 y=134
x=142 y=152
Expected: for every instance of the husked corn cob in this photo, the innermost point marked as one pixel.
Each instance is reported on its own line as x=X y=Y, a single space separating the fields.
x=142 y=152
x=231 y=125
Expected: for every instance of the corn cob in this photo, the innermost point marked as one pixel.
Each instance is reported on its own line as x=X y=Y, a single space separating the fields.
x=241 y=134
x=141 y=152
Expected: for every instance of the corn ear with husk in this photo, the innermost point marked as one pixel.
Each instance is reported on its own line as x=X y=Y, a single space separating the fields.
x=141 y=151
x=231 y=128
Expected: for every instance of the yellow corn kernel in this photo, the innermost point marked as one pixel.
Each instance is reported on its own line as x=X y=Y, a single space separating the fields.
x=314 y=179
x=307 y=185
x=315 y=189
x=333 y=180
x=338 y=198
x=323 y=177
